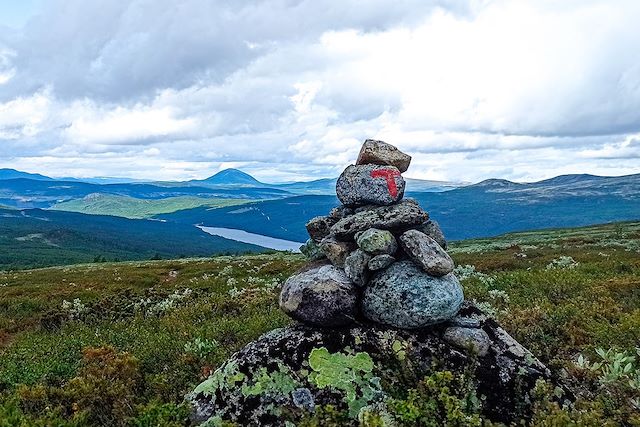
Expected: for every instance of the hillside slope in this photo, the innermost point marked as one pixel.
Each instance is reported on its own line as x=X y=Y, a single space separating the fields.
x=38 y=238
x=131 y=207
x=133 y=338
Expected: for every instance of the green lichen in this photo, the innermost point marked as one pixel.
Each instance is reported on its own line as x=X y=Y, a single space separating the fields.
x=399 y=348
x=256 y=383
x=351 y=374
x=217 y=421
x=223 y=378
x=280 y=382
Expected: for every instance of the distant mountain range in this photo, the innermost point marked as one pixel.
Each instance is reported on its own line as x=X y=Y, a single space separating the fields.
x=487 y=208
x=235 y=178
x=15 y=174
x=31 y=193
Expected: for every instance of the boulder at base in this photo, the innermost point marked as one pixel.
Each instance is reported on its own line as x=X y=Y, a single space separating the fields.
x=320 y=295
x=283 y=375
x=404 y=296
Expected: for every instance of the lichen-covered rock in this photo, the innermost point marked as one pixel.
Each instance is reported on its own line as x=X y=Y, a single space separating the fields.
x=282 y=375
x=377 y=242
x=432 y=229
x=427 y=253
x=466 y=321
x=312 y=250
x=318 y=227
x=381 y=153
x=335 y=250
x=398 y=217
x=355 y=267
x=322 y=295
x=404 y=296
x=339 y=212
x=379 y=262
x=472 y=339
x=370 y=184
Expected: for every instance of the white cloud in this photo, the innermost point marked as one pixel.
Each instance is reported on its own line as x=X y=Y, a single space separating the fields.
x=288 y=90
x=90 y=124
x=24 y=117
x=627 y=149
x=7 y=71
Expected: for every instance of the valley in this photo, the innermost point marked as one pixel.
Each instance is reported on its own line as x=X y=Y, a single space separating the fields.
x=76 y=221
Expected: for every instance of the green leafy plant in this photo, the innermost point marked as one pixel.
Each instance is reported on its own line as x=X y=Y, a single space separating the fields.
x=400 y=349
x=438 y=400
x=201 y=348
x=613 y=366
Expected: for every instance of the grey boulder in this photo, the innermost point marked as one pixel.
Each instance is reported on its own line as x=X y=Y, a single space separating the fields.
x=370 y=184
x=355 y=267
x=379 y=262
x=312 y=250
x=474 y=340
x=319 y=227
x=505 y=379
x=339 y=212
x=404 y=296
x=426 y=252
x=380 y=153
x=322 y=295
x=335 y=250
x=432 y=229
x=403 y=215
x=377 y=242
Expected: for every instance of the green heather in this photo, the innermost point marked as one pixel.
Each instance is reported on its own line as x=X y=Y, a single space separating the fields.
x=122 y=343
x=131 y=207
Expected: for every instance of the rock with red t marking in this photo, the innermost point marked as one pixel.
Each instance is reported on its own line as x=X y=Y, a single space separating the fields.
x=370 y=184
x=380 y=153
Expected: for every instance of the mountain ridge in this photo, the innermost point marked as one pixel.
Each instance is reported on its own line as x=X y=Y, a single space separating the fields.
x=233 y=177
x=8 y=173
x=230 y=176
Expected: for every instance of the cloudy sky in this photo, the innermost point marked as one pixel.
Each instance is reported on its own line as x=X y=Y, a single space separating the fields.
x=288 y=90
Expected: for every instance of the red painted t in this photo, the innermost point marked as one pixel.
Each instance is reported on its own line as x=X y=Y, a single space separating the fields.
x=389 y=175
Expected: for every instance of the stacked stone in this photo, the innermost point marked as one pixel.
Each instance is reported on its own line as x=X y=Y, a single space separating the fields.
x=377 y=255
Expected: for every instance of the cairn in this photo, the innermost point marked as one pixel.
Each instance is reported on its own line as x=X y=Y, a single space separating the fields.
x=377 y=255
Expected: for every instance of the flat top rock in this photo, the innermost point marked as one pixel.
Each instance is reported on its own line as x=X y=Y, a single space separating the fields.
x=380 y=153
x=400 y=216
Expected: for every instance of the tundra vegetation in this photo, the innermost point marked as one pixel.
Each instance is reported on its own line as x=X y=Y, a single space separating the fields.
x=120 y=344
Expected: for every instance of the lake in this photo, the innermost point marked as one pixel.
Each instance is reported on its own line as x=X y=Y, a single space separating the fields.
x=256 y=239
